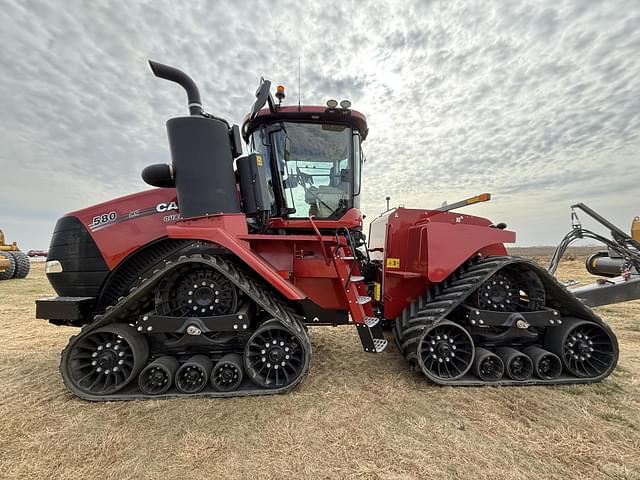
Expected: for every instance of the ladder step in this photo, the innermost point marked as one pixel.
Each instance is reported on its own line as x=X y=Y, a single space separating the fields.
x=371 y=335
x=348 y=258
x=380 y=344
x=371 y=321
x=357 y=278
x=362 y=299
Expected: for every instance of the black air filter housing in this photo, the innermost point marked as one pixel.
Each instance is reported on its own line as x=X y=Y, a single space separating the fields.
x=203 y=166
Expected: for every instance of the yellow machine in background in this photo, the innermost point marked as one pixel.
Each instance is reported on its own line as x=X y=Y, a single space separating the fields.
x=13 y=262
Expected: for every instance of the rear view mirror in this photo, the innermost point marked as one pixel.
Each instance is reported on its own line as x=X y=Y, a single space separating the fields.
x=263 y=95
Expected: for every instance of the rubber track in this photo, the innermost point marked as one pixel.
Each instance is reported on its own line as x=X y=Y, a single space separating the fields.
x=440 y=300
x=140 y=300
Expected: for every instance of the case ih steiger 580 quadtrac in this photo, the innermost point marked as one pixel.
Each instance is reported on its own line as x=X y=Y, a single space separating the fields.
x=206 y=284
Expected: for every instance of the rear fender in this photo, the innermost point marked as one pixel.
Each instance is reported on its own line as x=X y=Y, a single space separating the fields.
x=223 y=230
x=449 y=245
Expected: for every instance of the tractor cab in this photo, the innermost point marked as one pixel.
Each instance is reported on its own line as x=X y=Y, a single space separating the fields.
x=312 y=157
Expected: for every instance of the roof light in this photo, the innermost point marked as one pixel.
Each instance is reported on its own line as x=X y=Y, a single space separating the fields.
x=280 y=93
x=332 y=103
x=345 y=104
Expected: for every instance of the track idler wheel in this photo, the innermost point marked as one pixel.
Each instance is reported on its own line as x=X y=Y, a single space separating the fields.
x=227 y=375
x=274 y=357
x=445 y=351
x=157 y=377
x=193 y=375
x=517 y=365
x=587 y=350
x=487 y=366
x=104 y=360
x=546 y=365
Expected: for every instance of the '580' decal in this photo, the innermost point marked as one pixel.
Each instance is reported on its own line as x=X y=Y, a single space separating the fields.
x=169 y=209
x=103 y=219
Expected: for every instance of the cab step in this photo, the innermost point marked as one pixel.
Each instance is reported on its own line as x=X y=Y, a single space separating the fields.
x=356 y=278
x=371 y=335
x=371 y=321
x=362 y=299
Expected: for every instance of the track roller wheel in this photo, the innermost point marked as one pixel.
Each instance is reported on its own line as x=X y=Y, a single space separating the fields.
x=517 y=365
x=445 y=351
x=157 y=377
x=274 y=357
x=487 y=366
x=587 y=350
x=193 y=375
x=546 y=365
x=227 y=375
x=104 y=360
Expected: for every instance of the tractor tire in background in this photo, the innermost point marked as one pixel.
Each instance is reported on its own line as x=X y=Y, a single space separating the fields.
x=11 y=269
x=23 y=265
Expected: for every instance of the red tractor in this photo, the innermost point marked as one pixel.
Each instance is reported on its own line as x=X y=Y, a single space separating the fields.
x=207 y=284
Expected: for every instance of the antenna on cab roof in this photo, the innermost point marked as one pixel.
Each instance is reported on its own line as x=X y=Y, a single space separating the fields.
x=299 y=107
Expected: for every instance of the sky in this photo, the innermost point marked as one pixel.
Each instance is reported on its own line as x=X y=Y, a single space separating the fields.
x=536 y=102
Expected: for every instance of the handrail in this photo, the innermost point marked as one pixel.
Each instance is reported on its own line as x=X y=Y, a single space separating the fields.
x=324 y=250
x=353 y=250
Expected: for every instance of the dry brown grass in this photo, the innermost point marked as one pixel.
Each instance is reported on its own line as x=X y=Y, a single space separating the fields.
x=355 y=416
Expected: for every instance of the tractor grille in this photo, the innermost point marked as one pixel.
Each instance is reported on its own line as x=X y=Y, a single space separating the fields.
x=84 y=269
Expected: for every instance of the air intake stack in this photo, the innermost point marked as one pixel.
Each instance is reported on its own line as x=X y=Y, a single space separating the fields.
x=202 y=151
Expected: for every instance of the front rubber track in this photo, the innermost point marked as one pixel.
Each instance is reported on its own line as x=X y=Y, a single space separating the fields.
x=140 y=300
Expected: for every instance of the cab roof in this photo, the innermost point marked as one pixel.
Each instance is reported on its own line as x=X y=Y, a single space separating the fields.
x=315 y=114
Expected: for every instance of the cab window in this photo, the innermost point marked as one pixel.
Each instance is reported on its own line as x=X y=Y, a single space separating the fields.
x=315 y=161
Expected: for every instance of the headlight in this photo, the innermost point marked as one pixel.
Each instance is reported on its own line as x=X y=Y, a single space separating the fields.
x=53 y=266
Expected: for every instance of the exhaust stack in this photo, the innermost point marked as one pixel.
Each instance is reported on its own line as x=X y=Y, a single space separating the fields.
x=202 y=155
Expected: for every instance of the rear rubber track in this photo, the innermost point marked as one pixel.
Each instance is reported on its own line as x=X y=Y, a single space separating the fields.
x=440 y=300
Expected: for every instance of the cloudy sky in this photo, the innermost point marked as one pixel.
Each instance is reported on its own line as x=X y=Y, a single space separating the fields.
x=537 y=102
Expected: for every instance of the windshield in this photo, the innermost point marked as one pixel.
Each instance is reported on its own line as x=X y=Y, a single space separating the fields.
x=315 y=162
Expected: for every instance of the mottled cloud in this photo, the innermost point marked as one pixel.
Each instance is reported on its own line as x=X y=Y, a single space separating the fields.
x=536 y=102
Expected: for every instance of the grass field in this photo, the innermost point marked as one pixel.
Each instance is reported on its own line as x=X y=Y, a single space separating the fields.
x=355 y=416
